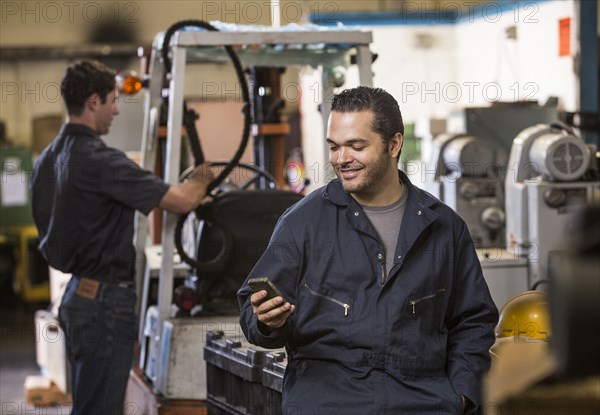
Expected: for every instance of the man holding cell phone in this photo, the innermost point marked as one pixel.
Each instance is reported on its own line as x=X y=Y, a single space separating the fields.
x=383 y=306
x=275 y=310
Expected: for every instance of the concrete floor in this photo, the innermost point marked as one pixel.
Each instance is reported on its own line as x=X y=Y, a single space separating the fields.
x=17 y=359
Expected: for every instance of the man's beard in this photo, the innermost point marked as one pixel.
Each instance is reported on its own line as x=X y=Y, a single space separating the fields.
x=371 y=175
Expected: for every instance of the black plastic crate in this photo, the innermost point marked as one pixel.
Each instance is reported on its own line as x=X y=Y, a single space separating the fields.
x=272 y=380
x=234 y=371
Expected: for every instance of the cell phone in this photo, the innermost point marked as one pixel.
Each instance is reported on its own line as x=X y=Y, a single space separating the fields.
x=264 y=283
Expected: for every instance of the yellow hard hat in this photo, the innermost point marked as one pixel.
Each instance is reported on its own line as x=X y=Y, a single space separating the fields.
x=525 y=315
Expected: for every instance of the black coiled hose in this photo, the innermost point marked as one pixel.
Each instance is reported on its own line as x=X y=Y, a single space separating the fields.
x=243 y=84
x=202 y=212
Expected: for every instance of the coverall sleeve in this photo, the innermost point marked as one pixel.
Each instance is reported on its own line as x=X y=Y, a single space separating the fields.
x=281 y=262
x=471 y=323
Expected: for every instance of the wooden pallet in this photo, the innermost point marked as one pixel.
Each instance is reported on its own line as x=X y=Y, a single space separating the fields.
x=41 y=391
x=140 y=399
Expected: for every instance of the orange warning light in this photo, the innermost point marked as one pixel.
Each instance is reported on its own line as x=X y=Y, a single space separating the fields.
x=128 y=82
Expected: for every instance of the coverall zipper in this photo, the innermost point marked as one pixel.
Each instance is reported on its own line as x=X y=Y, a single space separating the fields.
x=335 y=300
x=427 y=297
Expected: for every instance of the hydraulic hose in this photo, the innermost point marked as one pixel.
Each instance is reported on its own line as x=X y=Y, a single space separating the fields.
x=198 y=158
x=202 y=212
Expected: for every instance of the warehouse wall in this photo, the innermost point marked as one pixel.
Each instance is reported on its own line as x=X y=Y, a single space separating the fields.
x=528 y=67
x=29 y=89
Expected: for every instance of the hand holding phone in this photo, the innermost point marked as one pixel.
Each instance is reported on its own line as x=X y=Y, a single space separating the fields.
x=264 y=283
x=272 y=316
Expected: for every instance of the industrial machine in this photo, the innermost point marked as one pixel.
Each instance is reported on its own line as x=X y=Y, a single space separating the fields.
x=552 y=175
x=501 y=122
x=466 y=176
x=505 y=273
x=466 y=173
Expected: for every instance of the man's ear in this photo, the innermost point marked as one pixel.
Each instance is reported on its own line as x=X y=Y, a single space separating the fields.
x=93 y=101
x=396 y=144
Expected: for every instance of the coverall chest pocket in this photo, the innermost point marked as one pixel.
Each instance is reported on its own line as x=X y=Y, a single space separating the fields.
x=324 y=314
x=426 y=303
x=426 y=307
x=426 y=334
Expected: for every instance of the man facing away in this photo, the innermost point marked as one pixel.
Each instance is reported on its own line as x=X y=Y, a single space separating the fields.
x=385 y=308
x=84 y=196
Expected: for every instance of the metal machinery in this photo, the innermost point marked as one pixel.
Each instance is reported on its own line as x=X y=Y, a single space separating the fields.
x=465 y=172
x=500 y=123
x=310 y=45
x=550 y=179
x=467 y=178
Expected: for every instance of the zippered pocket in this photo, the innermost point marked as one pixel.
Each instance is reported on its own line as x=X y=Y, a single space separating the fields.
x=416 y=301
x=342 y=304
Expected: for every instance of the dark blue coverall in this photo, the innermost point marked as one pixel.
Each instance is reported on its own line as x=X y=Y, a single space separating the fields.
x=366 y=340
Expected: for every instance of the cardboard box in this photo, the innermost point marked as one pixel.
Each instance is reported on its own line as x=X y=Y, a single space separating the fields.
x=41 y=391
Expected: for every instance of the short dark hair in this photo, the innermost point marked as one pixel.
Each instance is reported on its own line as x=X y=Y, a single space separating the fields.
x=387 y=120
x=83 y=79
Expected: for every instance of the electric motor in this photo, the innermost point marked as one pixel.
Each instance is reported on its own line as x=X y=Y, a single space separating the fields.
x=559 y=155
x=470 y=156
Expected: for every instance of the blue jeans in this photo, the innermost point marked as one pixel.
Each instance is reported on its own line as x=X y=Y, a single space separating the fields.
x=100 y=336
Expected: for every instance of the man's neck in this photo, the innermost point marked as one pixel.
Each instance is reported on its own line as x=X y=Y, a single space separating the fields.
x=81 y=119
x=389 y=191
